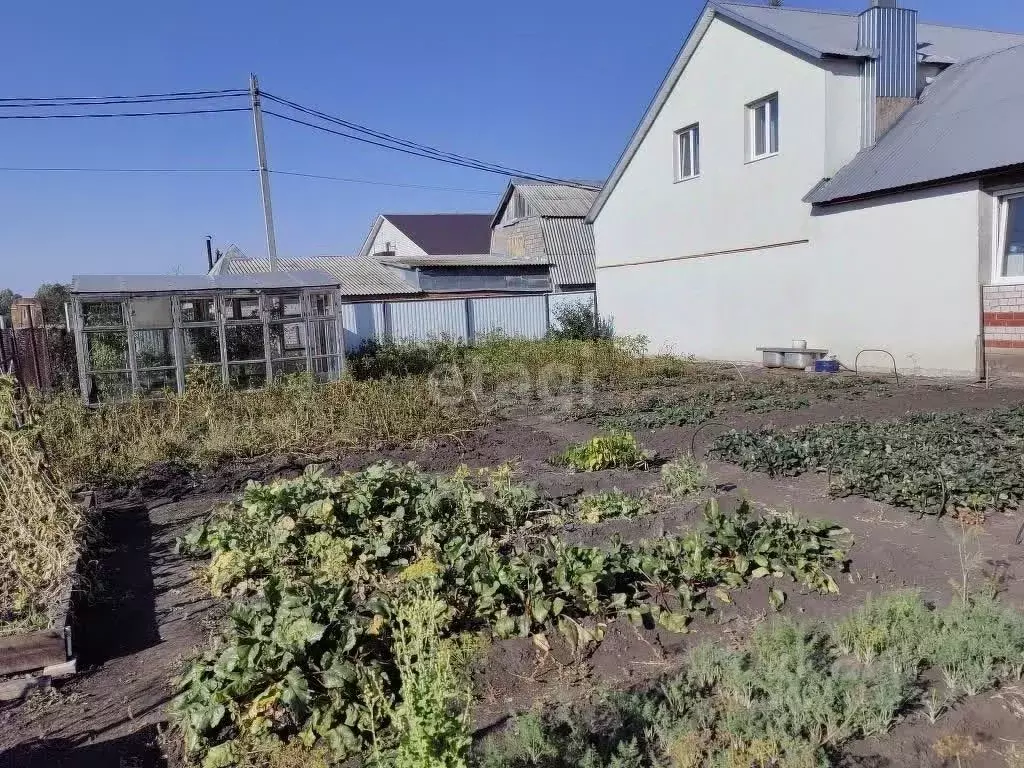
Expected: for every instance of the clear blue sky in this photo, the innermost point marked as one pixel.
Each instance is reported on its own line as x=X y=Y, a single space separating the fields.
x=551 y=86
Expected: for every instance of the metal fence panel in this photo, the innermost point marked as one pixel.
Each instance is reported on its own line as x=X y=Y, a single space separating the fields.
x=362 y=323
x=519 y=316
x=423 y=320
x=559 y=300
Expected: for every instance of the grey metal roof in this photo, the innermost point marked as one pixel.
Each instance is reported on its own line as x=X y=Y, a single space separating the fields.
x=549 y=199
x=833 y=33
x=467 y=260
x=967 y=122
x=354 y=275
x=569 y=244
x=813 y=33
x=82 y=284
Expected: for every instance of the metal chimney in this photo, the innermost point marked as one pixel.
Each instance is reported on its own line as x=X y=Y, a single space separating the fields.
x=888 y=34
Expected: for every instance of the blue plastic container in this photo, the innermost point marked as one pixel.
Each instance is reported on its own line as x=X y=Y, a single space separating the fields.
x=826 y=366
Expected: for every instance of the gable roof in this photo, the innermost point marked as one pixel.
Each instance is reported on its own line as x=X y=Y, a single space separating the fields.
x=967 y=122
x=356 y=276
x=549 y=198
x=815 y=34
x=446 y=233
x=834 y=33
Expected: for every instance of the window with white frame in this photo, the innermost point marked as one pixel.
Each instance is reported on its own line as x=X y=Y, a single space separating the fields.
x=1009 y=263
x=763 y=127
x=687 y=152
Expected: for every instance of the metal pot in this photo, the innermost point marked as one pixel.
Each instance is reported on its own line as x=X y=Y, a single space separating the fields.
x=797 y=360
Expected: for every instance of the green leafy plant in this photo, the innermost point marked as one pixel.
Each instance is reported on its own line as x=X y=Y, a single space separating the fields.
x=615 y=449
x=962 y=463
x=684 y=477
x=579 y=321
x=595 y=507
x=314 y=567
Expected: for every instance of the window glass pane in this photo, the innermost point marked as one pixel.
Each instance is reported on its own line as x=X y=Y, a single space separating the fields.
x=760 y=138
x=244 y=342
x=152 y=382
x=287 y=340
x=202 y=345
x=695 y=150
x=284 y=368
x=247 y=375
x=107 y=387
x=97 y=313
x=284 y=306
x=323 y=337
x=326 y=368
x=684 y=154
x=242 y=309
x=107 y=350
x=203 y=376
x=197 y=311
x=773 y=108
x=1013 y=255
x=154 y=348
x=322 y=304
x=151 y=312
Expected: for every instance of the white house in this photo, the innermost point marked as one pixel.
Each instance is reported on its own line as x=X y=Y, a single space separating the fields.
x=844 y=178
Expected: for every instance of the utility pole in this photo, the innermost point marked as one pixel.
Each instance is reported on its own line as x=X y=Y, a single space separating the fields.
x=261 y=157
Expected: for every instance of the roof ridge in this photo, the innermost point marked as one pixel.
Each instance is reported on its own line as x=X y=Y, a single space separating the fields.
x=439 y=213
x=829 y=12
x=820 y=11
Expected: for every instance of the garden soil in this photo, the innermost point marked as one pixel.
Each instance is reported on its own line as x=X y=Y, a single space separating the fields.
x=148 y=610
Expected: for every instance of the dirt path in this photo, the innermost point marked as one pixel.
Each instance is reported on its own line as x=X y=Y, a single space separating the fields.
x=147 y=615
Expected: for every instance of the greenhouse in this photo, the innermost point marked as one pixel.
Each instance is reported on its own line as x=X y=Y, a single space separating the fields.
x=149 y=334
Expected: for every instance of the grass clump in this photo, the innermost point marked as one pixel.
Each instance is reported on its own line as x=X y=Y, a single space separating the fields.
x=209 y=423
x=609 y=451
x=684 y=477
x=792 y=697
x=595 y=507
x=323 y=647
x=41 y=527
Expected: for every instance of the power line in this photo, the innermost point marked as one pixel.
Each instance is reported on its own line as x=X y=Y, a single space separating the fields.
x=154 y=96
x=86 y=102
x=417 y=153
x=298 y=174
x=465 y=161
x=384 y=183
x=388 y=137
x=125 y=114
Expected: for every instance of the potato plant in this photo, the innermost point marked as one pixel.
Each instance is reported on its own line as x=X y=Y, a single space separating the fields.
x=613 y=450
x=932 y=463
x=316 y=566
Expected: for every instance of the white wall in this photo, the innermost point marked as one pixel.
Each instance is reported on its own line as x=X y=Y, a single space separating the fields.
x=842 y=114
x=400 y=244
x=733 y=203
x=898 y=273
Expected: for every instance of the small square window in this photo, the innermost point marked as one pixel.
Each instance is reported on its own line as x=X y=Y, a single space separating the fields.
x=763 y=125
x=687 y=152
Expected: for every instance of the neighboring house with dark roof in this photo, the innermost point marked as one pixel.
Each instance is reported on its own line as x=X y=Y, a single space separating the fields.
x=544 y=220
x=854 y=179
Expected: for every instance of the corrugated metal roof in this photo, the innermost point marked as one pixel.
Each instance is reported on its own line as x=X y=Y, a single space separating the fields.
x=470 y=260
x=835 y=33
x=355 y=276
x=569 y=243
x=445 y=233
x=306 y=278
x=967 y=122
x=557 y=199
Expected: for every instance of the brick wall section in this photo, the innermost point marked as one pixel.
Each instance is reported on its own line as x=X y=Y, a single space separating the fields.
x=1004 y=327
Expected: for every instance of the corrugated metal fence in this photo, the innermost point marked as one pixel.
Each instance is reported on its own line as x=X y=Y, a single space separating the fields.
x=526 y=317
